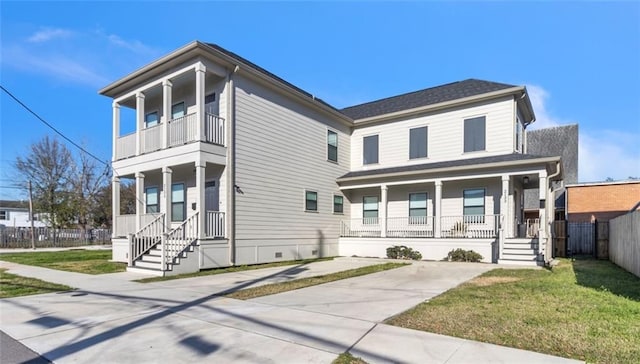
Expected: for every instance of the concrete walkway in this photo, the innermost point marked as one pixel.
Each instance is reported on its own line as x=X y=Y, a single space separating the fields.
x=110 y=319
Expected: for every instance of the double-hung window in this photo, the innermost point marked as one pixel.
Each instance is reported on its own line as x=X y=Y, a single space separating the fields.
x=418 y=208
x=177 y=202
x=418 y=142
x=151 y=194
x=370 y=149
x=310 y=201
x=473 y=205
x=370 y=210
x=332 y=146
x=474 y=134
x=338 y=204
x=151 y=119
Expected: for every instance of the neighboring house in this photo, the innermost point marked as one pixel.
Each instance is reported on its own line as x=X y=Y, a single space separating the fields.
x=562 y=141
x=234 y=165
x=16 y=214
x=602 y=201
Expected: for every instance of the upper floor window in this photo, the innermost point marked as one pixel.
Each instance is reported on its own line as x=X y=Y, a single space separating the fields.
x=370 y=149
x=151 y=119
x=311 y=201
x=332 y=146
x=4 y=215
x=177 y=202
x=177 y=110
x=338 y=204
x=418 y=142
x=474 y=134
x=151 y=194
x=473 y=205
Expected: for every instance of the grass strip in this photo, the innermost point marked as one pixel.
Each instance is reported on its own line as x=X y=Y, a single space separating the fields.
x=269 y=289
x=238 y=268
x=75 y=260
x=347 y=358
x=581 y=309
x=12 y=285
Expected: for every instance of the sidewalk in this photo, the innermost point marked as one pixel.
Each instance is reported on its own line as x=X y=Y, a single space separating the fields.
x=111 y=319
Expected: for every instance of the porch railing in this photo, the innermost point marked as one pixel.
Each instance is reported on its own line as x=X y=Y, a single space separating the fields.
x=410 y=227
x=183 y=130
x=126 y=146
x=214 y=224
x=176 y=241
x=214 y=129
x=151 y=138
x=146 y=238
x=470 y=226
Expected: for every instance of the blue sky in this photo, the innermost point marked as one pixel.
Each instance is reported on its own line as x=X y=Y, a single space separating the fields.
x=579 y=60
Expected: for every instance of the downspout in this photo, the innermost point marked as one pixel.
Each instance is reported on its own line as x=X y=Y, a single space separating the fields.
x=549 y=242
x=231 y=166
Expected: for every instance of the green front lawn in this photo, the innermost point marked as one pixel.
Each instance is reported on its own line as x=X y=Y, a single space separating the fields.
x=12 y=285
x=77 y=260
x=583 y=309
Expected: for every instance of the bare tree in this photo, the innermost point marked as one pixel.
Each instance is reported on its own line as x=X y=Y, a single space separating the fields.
x=49 y=166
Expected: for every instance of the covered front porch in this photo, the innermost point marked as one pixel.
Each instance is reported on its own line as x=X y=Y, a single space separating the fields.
x=480 y=209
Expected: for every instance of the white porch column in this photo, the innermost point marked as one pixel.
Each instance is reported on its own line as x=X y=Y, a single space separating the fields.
x=166 y=111
x=166 y=189
x=200 y=182
x=383 y=211
x=200 y=73
x=437 y=228
x=139 y=121
x=140 y=205
x=504 y=205
x=542 y=232
x=115 y=204
x=116 y=129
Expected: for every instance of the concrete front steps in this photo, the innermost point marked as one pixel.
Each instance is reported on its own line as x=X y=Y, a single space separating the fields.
x=520 y=252
x=150 y=264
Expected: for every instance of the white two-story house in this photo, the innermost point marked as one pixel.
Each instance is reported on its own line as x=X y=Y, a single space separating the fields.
x=234 y=165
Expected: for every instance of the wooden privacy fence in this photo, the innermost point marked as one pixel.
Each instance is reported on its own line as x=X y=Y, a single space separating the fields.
x=11 y=237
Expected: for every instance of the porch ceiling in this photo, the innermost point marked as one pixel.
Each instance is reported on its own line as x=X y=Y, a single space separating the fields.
x=492 y=163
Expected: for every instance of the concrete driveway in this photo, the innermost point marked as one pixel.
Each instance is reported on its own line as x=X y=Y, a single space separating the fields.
x=113 y=320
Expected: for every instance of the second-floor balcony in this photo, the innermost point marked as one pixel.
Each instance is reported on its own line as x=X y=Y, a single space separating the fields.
x=179 y=131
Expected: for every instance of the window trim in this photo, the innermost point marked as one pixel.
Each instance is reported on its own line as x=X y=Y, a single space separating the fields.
x=306 y=206
x=329 y=131
x=341 y=204
x=378 y=149
x=426 y=145
x=464 y=125
x=184 y=201
x=146 y=200
x=426 y=207
x=484 y=205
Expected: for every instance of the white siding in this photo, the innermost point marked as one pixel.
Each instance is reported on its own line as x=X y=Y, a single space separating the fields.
x=281 y=151
x=445 y=135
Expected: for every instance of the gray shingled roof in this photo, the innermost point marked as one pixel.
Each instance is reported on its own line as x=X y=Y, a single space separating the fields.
x=429 y=96
x=514 y=157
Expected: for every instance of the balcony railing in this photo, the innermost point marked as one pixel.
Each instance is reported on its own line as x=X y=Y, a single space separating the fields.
x=470 y=226
x=180 y=131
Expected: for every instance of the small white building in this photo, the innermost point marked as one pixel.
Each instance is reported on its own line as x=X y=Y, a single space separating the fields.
x=234 y=165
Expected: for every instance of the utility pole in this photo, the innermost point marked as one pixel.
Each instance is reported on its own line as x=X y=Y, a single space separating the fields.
x=33 y=230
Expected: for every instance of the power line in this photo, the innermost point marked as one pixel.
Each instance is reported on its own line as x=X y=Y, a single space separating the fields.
x=51 y=126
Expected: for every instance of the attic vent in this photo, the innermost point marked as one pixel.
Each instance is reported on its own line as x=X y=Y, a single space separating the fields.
x=314 y=252
x=278 y=254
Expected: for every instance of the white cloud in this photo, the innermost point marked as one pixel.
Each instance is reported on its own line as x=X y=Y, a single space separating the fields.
x=602 y=153
x=47 y=34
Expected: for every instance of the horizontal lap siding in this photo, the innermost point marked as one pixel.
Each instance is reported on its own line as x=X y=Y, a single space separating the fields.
x=445 y=135
x=280 y=152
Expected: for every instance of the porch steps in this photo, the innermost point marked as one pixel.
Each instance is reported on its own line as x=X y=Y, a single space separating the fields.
x=520 y=252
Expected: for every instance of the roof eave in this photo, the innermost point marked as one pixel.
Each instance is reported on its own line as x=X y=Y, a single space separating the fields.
x=440 y=105
x=453 y=169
